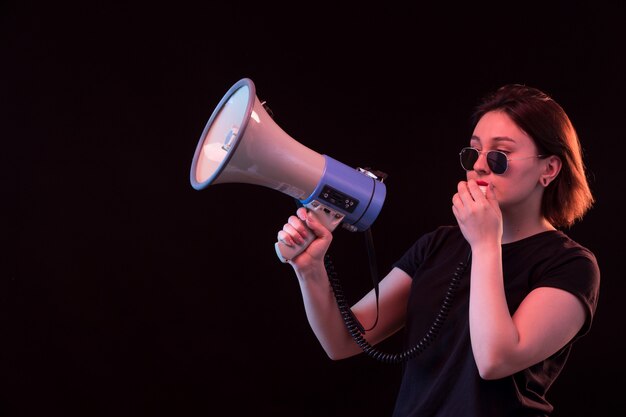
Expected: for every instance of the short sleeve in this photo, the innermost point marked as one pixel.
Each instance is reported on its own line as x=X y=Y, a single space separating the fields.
x=577 y=273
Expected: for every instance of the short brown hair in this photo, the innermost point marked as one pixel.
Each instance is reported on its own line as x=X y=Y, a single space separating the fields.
x=568 y=197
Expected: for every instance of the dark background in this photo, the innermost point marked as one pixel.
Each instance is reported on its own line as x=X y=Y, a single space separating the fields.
x=125 y=292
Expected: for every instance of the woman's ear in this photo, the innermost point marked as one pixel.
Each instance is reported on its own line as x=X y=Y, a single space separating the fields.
x=553 y=166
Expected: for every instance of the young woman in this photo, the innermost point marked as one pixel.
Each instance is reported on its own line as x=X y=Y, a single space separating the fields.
x=528 y=291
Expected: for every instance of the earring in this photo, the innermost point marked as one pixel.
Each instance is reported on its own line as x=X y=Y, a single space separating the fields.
x=545 y=182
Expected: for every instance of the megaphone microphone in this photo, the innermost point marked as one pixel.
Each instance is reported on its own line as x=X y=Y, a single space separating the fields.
x=241 y=143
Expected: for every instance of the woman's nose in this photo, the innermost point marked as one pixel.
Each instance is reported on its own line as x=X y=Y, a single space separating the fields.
x=481 y=163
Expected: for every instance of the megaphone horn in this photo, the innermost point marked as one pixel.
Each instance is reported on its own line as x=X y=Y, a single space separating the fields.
x=241 y=143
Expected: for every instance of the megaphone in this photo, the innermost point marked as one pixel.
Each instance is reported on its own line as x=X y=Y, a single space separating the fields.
x=241 y=143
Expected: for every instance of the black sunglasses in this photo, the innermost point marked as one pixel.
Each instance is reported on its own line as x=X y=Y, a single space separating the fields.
x=497 y=161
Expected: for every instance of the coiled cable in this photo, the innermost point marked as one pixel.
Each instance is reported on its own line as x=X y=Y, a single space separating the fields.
x=357 y=331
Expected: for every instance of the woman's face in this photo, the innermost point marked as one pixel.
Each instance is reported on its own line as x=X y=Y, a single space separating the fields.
x=496 y=131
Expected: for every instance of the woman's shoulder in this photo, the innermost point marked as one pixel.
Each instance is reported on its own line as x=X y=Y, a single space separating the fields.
x=556 y=241
x=441 y=235
x=446 y=238
x=445 y=232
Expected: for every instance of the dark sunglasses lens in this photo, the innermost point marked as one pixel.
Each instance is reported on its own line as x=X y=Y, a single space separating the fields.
x=497 y=162
x=469 y=157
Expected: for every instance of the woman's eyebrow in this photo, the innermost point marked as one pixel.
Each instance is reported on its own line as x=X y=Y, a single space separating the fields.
x=495 y=139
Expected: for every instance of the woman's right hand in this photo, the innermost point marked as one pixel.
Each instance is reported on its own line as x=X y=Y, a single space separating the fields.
x=296 y=230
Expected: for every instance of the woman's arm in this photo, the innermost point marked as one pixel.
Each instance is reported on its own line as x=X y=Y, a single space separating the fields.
x=320 y=304
x=546 y=320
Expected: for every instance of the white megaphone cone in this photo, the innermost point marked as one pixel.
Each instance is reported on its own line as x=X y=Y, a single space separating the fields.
x=241 y=143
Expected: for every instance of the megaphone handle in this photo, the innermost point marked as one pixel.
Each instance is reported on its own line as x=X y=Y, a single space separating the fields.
x=285 y=253
x=330 y=218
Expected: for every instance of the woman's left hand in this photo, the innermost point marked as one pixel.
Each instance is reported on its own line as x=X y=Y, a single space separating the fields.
x=478 y=215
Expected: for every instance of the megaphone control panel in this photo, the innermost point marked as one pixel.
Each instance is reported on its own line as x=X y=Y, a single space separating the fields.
x=338 y=199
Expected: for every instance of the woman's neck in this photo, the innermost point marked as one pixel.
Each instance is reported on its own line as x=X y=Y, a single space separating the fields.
x=514 y=230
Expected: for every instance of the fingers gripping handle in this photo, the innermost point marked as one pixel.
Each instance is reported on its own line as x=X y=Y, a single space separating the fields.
x=286 y=253
x=325 y=215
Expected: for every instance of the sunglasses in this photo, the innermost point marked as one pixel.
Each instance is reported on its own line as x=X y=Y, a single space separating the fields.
x=497 y=161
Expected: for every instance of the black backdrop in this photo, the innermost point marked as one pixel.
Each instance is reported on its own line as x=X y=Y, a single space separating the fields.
x=124 y=292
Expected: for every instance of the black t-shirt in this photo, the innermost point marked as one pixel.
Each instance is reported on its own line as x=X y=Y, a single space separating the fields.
x=443 y=380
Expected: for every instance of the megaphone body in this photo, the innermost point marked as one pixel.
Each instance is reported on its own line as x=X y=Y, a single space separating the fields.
x=241 y=143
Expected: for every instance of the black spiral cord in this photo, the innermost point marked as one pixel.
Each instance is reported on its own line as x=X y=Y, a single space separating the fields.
x=356 y=330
